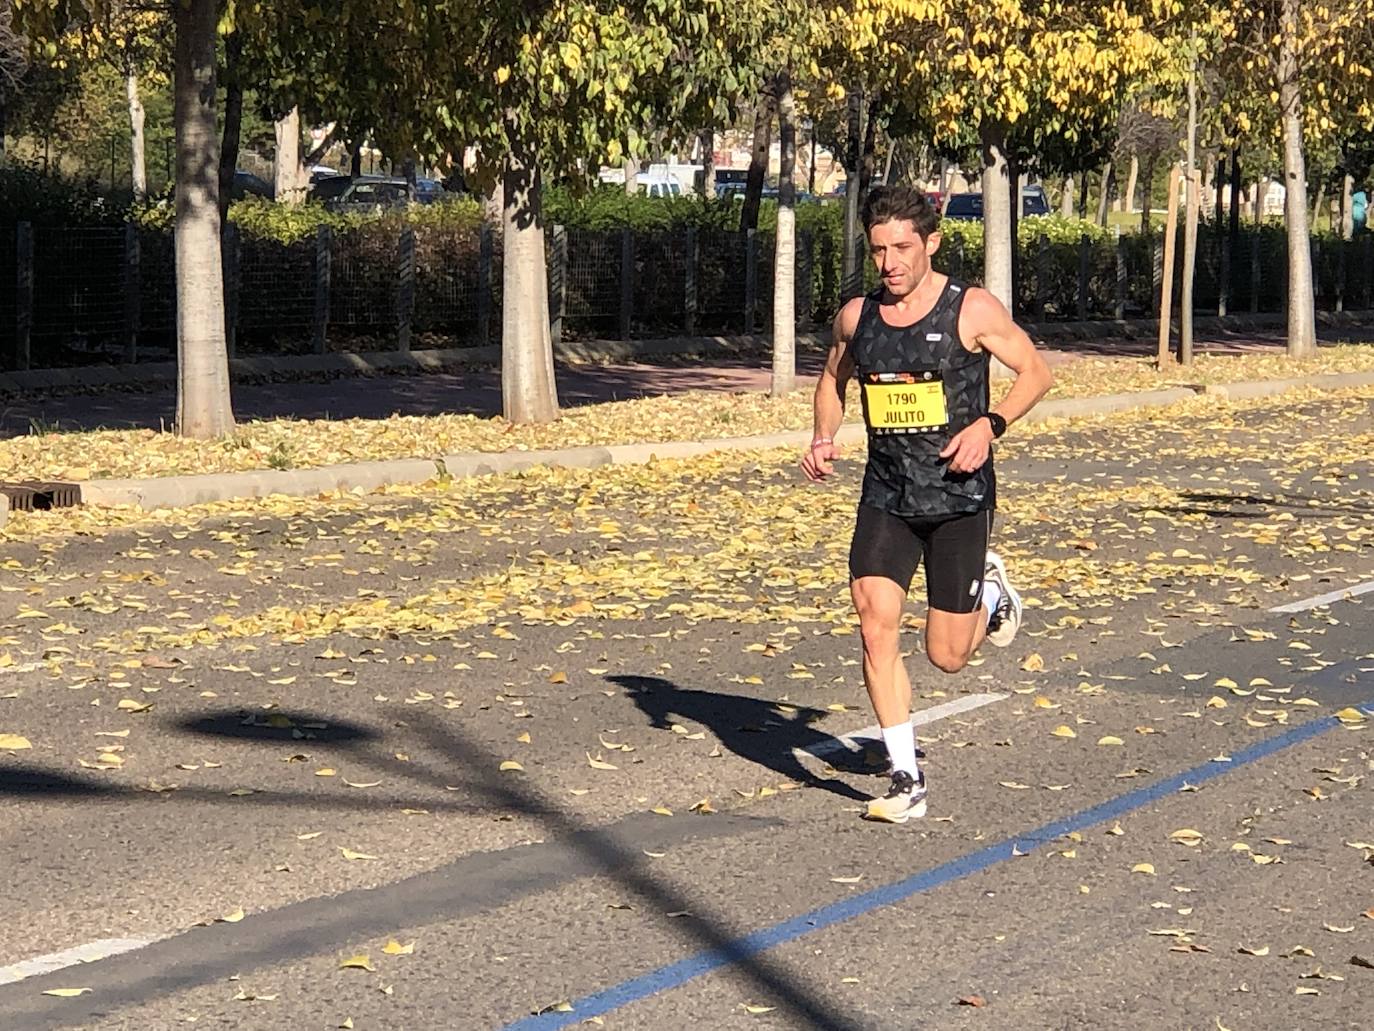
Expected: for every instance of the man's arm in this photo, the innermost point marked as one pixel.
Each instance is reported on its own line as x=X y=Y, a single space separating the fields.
x=986 y=322
x=828 y=405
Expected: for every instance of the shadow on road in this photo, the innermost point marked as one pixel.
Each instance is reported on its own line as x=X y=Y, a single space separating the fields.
x=440 y=756
x=1228 y=505
x=754 y=729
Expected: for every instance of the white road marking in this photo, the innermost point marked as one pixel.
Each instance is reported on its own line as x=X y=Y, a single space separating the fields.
x=88 y=953
x=1326 y=599
x=855 y=741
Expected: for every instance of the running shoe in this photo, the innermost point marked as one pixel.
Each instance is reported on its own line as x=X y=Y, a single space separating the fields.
x=1006 y=620
x=905 y=798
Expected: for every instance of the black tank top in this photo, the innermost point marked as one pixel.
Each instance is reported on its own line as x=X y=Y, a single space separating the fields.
x=905 y=474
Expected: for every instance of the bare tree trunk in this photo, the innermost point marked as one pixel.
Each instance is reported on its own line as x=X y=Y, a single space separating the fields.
x=999 y=184
x=1347 y=207
x=868 y=165
x=1317 y=206
x=762 y=143
x=203 y=408
x=1166 y=297
x=997 y=241
x=1194 y=182
x=1257 y=202
x=137 y=161
x=707 y=140
x=1066 y=198
x=1302 y=315
x=289 y=176
x=1104 y=201
x=785 y=248
x=851 y=274
x=1132 y=178
x=529 y=392
x=233 y=120
x=631 y=168
x=1147 y=194
x=1083 y=196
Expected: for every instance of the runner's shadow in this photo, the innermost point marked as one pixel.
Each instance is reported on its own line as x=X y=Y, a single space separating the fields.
x=760 y=731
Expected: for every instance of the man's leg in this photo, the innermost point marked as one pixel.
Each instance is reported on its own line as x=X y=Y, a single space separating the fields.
x=962 y=597
x=878 y=601
x=882 y=561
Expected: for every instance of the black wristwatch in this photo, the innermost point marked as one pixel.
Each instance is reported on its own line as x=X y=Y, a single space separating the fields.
x=999 y=425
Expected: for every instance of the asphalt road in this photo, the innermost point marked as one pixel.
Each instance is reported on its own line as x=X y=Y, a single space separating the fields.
x=267 y=740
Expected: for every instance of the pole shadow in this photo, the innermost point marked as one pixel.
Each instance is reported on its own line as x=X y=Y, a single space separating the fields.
x=276 y=936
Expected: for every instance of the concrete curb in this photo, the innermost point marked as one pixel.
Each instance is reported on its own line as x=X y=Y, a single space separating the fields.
x=180 y=491
x=1270 y=387
x=4 y=509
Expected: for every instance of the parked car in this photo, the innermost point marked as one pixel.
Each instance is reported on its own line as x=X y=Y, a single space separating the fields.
x=246 y=184
x=968 y=207
x=346 y=192
x=427 y=191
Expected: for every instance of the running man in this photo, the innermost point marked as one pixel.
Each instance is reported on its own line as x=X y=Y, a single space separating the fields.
x=921 y=347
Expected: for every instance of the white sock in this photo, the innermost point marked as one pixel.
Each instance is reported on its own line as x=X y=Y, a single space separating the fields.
x=901 y=747
x=992 y=595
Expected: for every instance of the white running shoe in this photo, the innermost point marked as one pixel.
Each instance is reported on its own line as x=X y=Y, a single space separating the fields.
x=905 y=798
x=1006 y=620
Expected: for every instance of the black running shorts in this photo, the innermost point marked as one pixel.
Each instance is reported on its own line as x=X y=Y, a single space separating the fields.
x=954 y=548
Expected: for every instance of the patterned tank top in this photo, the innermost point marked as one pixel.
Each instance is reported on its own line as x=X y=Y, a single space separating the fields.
x=899 y=366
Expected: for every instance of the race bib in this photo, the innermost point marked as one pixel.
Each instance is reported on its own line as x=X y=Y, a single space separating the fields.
x=905 y=402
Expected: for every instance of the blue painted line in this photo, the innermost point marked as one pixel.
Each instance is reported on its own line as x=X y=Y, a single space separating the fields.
x=677 y=974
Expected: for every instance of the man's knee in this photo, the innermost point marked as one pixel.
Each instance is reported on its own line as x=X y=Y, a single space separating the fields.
x=880 y=613
x=945 y=658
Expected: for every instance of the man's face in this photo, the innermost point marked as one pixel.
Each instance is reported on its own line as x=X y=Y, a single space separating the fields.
x=901 y=257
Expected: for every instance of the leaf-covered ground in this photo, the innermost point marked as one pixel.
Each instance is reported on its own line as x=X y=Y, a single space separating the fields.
x=253 y=703
x=282 y=444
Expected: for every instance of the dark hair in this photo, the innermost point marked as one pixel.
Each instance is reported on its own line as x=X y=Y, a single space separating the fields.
x=900 y=204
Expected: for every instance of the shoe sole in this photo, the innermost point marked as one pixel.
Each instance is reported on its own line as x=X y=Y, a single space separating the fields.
x=997 y=638
x=917 y=811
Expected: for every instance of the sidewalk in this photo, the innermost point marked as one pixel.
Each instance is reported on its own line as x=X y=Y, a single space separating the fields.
x=478 y=392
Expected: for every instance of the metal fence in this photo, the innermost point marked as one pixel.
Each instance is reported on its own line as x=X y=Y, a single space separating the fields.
x=90 y=295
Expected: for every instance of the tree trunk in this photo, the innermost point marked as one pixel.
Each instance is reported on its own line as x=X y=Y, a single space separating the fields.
x=631 y=168
x=529 y=392
x=1147 y=194
x=1194 y=184
x=997 y=241
x=1132 y=178
x=137 y=161
x=1083 y=196
x=999 y=183
x=851 y=272
x=1166 y=279
x=785 y=248
x=203 y=408
x=1347 y=207
x=233 y=121
x=288 y=175
x=707 y=140
x=1317 y=206
x=1108 y=183
x=1302 y=316
x=868 y=164
x=1066 y=198
x=758 y=160
x=355 y=160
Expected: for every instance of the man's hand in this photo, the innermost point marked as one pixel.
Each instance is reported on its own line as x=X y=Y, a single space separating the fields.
x=968 y=449
x=816 y=463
